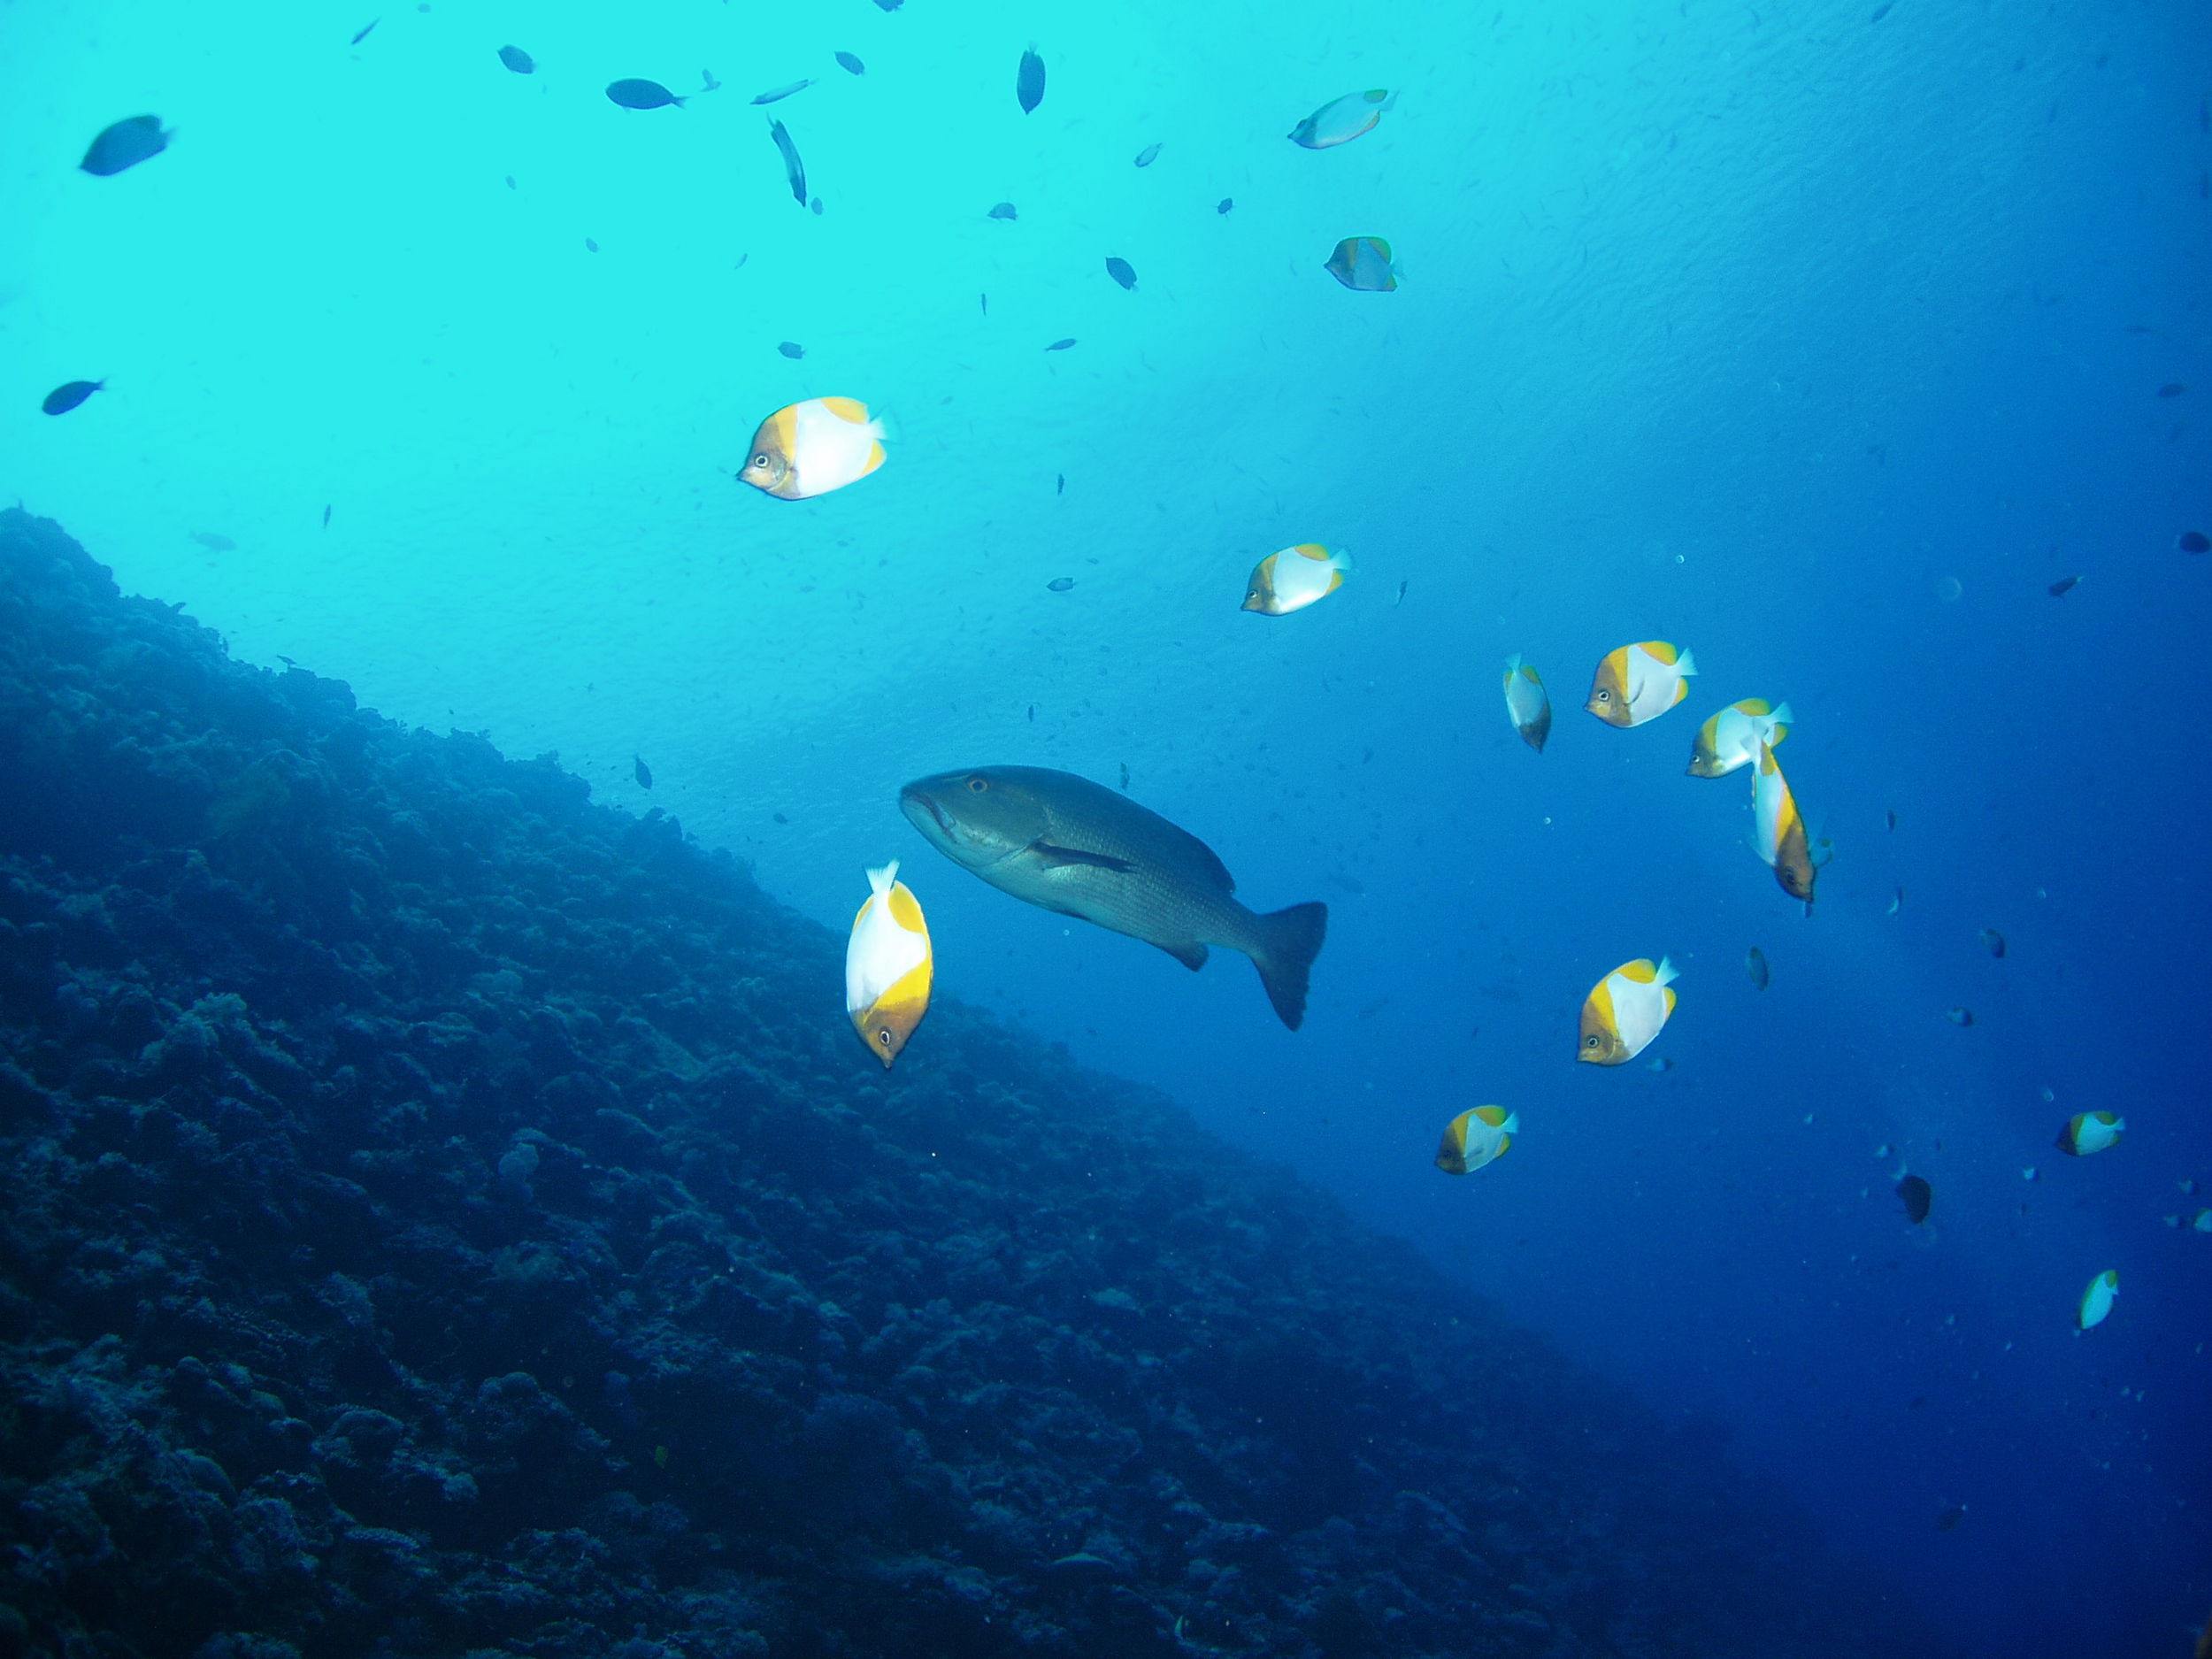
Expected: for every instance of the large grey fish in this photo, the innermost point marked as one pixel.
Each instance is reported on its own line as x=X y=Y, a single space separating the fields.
x=1064 y=844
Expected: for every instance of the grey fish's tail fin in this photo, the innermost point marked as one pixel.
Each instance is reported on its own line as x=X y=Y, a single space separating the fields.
x=1286 y=942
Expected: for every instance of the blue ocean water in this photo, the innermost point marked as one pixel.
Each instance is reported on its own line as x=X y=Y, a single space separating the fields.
x=1819 y=339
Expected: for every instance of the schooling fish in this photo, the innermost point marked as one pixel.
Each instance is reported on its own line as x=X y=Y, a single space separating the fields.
x=1640 y=683
x=888 y=966
x=642 y=95
x=1917 y=1195
x=2201 y=1222
x=1475 y=1138
x=126 y=143
x=1229 y=201
x=1343 y=119
x=2090 y=1132
x=813 y=447
x=793 y=169
x=1731 y=739
x=1067 y=844
x=1363 y=264
x=2063 y=586
x=1959 y=1015
x=1029 y=81
x=1004 y=210
x=518 y=60
x=1062 y=345
x=792 y=349
x=1779 y=831
x=1296 y=578
x=643 y=772
x=2096 y=1301
x=2194 y=541
x=366 y=29
x=1149 y=154
x=1754 y=964
x=1526 y=702
x=850 y=63
x=1625 y=1011
x=1122 y=271
x=62 y=399
x=779 y=94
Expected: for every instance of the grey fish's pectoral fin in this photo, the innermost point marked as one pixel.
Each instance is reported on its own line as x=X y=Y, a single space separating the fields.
x=1057 y=856
x=1192 y=956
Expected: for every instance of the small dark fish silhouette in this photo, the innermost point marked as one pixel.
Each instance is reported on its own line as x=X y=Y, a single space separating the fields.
x=793 y=169
x=326 y=515
x=518 y=60
x=213 y=542
x=793 y=350
x=707 y=82
x=125 y=144
x=1957 y=1513
x=2172 y=388
x=1880 y=13
x=1960 y=1015
x=847 y=61
x=1147 y=155
x=889 y=6
x=644 y=773
x=1892 y=816
x=1029 y=80
x=779 y=94
x=1224 y=204
x=1754 y=964
x=1993 y=942
x=1061 y=584
x=1004 y=210
x=1061 y=345
x=2194 y=541
x=1122 y=271
x=1032 y=714
x=1060 y=483
x=1917 y=1195
x=364 y=34
x=815 y=207
x=590 y=245
x=779 y=818
x=62 y=399
x=2063 y=586
x=1124 y=777
x=510 y=182
x=1400 y=598
x=642 y=95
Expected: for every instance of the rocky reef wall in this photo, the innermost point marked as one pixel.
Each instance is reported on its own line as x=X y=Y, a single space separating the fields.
x=440 y=1216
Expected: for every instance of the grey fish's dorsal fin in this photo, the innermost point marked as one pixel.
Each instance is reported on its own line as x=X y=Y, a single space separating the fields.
x=1060 y=856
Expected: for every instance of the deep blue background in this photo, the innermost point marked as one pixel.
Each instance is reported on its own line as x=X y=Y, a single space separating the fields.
x=1816 y=341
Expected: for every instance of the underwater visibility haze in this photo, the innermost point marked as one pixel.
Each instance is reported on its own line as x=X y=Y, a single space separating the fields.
x=1335 y=499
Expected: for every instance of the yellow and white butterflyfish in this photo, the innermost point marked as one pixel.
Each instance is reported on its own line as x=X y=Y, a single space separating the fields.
x=1296 y=578
x=1625 y=1011
x=1778 y=832
x=813 y=447
x=1480 y=1136
x=1731 y=739
x=1640 y=683
x=1527 y=702
x=1342 y=119
x=2091 y=1132
x=2096 y=1302
x=888 y=966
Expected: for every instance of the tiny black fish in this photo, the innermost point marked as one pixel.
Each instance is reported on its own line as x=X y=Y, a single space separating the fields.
x=125 y=144
x=1960 y=1015
x=793 y=350
x=518 y=60
x=1032 y=714
x=1892 y=816
x=2194 y=541
x=1061 y=584
x=793 y=169
x=1916 y=1195
x=1124 y=777
x=1029 y=80
x=1224 y=204
x=778 y=815
x=779 y=94
x=1993 y=942
x=62 y=399
x=642 y=95
x=1754 y=964
x=847 y=61
x=326 y=515
x=1880 y=13
x=815 y=207
x=644 y=773
x=1060 y=483
x=1061 y=345
x=2063 y=586
x=364 y=34
x=1122 y=271
x=1147 y=155
x=1004 y=210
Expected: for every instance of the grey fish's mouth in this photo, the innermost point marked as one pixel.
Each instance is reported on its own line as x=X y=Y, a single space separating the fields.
x=911 y=798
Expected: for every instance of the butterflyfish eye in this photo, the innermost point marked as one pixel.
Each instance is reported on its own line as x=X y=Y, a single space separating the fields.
x=1590 y=1041
x=979 y=785
x=1605 y=696
x=761 y=460
x=883 y=1035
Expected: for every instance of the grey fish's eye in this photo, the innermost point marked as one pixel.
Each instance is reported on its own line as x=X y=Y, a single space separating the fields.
x=979 y=785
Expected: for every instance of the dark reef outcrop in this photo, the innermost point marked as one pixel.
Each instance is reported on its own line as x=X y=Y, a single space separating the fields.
x=439 y=1214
